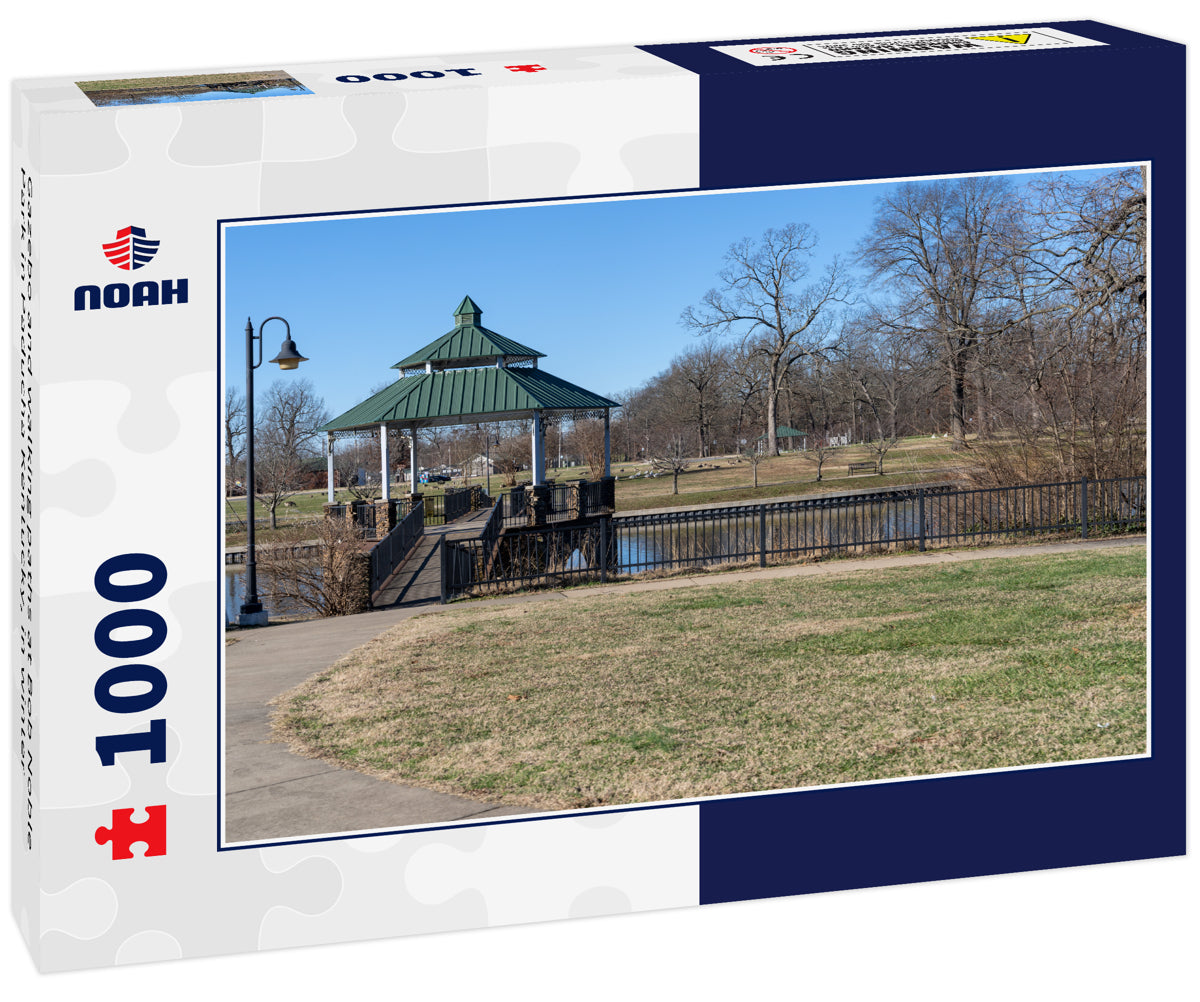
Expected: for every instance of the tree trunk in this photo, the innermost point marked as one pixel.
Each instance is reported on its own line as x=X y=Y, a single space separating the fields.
x=772 y=395
x=958 y=384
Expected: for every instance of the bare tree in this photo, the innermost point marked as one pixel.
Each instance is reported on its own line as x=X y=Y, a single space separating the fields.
x=235 y=434
x=291 y=412
x=510 y=457
x=943 y=248
x=671 y=459
x=753 y=457
x=697 y=376
x=587 y=438
x=820 y=454
x=357 y=454
x=881 y=445
x=277 y=474
x=763 y=301
x=284 y=438
x=327 y=583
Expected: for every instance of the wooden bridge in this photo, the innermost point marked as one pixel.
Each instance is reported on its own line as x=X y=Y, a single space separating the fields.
x=418 y=579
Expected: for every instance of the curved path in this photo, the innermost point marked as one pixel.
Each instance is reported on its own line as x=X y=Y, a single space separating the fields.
x=271 y=793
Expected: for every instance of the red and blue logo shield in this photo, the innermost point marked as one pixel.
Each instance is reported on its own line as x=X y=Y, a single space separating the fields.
x=131 y=250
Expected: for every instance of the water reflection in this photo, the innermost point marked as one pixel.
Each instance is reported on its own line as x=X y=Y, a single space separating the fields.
x=235 y=594
x=740 y=538
x=195 y=92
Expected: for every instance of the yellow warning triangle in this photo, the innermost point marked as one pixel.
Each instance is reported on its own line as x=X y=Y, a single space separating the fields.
x=1015 y=39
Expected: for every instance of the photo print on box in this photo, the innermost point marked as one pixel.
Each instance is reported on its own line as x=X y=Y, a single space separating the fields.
x=666 y=498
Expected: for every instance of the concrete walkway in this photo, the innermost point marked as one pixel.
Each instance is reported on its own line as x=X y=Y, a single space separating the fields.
x=271 y=793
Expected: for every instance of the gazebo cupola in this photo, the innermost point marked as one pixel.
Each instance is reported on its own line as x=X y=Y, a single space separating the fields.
x=469 y=375
x=468 y=313
x=468 y=345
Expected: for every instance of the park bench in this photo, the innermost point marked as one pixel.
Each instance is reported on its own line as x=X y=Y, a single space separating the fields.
x=859 y=467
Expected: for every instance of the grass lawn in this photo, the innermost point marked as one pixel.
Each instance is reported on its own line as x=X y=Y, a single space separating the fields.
x=744 y=686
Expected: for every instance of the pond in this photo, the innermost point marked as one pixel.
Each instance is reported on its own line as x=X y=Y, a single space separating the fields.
x=174 y=95
x=732 y=538
x=235 y=593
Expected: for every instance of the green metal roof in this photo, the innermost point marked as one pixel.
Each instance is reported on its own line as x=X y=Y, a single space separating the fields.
x=468 y=305
x=466 y=345
x=783 y=431
x=462 y=396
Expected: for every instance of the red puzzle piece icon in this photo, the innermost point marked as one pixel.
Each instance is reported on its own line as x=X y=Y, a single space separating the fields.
x=124 y=832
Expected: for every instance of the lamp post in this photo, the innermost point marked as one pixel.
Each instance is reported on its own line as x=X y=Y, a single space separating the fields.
x=252 y=613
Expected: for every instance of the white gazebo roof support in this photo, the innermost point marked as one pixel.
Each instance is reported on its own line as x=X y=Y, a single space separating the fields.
x=385 y=479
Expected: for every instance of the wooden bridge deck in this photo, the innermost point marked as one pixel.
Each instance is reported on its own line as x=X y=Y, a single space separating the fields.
x=418 y=581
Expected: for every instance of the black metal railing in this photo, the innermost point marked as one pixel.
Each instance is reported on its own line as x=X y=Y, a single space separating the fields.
x=557 y=502
x=389 y=552
x=443 y=508
x=772 y=532
x=366 y=518
x=528 y=557
x=456 y=503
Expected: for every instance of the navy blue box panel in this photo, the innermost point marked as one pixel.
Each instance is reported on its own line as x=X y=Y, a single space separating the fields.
x=940 y=114
x=938 y=829
x=981 y=112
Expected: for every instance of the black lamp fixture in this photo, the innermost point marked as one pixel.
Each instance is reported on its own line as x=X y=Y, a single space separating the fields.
x=252 y=612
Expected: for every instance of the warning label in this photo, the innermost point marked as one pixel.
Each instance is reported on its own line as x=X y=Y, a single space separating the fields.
x=790 y=53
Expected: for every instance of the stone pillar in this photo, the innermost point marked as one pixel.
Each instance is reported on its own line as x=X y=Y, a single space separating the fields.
x=578 y=499
x=385 y=473
x=386 y=516
x=329 y=467
x=539 y=504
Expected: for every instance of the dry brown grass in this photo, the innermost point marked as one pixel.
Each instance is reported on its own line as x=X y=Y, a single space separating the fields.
x=745 y=686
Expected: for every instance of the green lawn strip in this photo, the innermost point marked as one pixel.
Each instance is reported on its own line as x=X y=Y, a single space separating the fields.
x=744 y=686
x=627 y=501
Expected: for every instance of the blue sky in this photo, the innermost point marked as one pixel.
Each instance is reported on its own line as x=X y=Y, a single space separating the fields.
x=597 y=286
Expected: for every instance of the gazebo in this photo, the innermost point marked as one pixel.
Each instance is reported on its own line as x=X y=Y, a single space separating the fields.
x=468 y=375
x=783 y=431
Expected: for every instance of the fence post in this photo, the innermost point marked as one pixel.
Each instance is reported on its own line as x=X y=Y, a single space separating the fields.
x=603 y=549
x=762 y=535
x=444 y=565
x=921 y=519
x=1083 y=506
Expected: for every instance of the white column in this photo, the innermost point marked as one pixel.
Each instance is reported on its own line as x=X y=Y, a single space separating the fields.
x=384 y=473
x=539 y=450
x=607 y=446
x=329 y=466
x=412 y=460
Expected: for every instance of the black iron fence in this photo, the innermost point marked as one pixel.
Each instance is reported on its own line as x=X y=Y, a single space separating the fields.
x=557 y=502
x=528 y=557
x=443 y=508
x=362 y=514
x=389 y=552
x=771 y=532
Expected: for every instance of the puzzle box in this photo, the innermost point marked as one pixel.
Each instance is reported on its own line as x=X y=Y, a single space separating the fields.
x=127 y=780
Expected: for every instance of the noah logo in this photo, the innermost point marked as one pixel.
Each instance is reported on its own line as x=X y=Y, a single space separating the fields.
x=131 y=250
